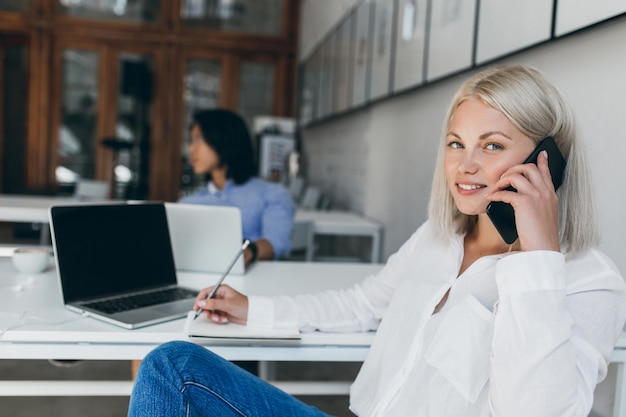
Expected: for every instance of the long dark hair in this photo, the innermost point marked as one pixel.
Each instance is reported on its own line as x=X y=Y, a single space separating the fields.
x=226 y=132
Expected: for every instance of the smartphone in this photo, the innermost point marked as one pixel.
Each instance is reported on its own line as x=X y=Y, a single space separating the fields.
x=502 y=214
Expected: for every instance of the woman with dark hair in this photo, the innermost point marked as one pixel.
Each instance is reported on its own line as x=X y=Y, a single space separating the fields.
x=220 y=147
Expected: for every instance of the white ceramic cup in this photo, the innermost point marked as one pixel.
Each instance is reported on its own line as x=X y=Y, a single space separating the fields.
x=31 y=260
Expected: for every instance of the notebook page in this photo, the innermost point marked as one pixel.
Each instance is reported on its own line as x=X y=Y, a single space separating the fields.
x=204 y=328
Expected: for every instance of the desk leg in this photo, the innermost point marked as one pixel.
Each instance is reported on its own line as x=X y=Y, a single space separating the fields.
x=619 y=404
x=375 y=258
x=267 y=370
x=310 y=244
x=44 y=234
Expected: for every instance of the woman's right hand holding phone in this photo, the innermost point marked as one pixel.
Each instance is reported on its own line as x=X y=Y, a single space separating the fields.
x=227 y=305
x=535 y=203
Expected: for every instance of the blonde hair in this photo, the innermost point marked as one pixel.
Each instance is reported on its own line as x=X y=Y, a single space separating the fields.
x=537 y=109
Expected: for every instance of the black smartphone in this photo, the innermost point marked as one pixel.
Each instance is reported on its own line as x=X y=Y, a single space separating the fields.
x=502 y=214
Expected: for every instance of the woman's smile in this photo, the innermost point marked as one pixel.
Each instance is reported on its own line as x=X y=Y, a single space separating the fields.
x=464 y=187
x=481 y=145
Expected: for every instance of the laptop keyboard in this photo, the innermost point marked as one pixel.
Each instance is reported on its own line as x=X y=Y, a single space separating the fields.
x=117 y=305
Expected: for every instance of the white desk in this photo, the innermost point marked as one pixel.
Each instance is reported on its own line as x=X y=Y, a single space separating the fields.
x=340 y=223
x=24 y=208
x=33 y=209
x=51 y=331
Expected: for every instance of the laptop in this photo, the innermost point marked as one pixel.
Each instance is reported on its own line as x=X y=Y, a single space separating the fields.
x=205 y=238
x=115 y=263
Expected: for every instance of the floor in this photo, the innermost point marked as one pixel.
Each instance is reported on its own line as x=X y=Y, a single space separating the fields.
x=120 y=370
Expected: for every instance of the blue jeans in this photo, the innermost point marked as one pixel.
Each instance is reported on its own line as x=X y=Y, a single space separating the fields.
x=184 y=379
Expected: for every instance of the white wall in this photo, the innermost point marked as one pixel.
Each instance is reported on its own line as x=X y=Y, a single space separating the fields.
x=379 y=160
x=317 y=17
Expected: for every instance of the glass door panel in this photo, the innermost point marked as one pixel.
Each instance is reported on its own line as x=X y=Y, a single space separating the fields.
x=246 y=16
x=79 y=104
x=201 y=91
x=256 y=98
x=131 y=143
x=256 y=88
x=144 y=11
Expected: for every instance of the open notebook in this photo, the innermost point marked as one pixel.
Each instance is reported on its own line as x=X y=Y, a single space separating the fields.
x=204 y=329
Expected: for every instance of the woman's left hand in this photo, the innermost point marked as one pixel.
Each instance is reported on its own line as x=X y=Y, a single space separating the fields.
x=535 y=203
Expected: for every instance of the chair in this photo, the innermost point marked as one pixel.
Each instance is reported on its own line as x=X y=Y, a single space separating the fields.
x=295 y=187
x=91 y=190
x=311 y=198
x=301 y=241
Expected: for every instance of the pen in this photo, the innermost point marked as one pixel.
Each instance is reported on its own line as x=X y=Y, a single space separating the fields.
x=219 y=282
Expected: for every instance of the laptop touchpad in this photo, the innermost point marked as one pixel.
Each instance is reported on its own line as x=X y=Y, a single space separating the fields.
x=182 y=306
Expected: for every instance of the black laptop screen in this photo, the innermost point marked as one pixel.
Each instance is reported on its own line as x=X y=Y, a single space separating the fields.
x=104 y=250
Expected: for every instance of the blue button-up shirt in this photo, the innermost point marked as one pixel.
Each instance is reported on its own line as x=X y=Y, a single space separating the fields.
x=267 y=209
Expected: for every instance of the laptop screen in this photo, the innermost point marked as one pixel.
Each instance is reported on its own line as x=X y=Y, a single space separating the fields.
x=205 y=238
x=105 y=250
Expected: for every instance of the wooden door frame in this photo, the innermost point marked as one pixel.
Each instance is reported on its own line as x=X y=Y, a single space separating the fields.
x=8 y=40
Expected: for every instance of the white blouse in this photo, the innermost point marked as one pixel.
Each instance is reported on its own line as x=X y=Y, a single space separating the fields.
x=521 y=334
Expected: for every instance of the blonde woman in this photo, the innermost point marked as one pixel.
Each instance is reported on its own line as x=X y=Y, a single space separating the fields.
x=467 y=325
